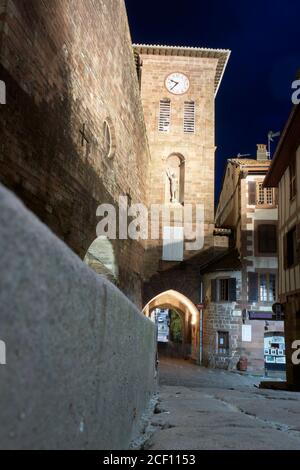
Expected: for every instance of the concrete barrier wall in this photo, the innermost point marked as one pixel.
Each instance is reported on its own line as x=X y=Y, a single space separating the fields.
x=80 y=358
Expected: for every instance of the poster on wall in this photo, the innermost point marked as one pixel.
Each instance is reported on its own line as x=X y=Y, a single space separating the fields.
x=247 y=333
x=274 y=350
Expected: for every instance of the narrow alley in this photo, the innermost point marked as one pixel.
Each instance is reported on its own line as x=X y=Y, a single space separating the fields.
x=149 y=222
x=205 y=409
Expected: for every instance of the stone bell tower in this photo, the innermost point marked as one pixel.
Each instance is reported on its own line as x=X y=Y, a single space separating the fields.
x=178 y=90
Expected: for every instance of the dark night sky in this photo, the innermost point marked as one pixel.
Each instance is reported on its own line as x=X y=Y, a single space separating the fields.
x=264 y=37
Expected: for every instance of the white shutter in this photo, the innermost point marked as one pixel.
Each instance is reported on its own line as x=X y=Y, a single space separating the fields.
x=173 y=242
x=164 y=116
x=189 y=117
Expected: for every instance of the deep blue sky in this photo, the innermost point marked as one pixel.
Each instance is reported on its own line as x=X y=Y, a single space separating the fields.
x=264 y=37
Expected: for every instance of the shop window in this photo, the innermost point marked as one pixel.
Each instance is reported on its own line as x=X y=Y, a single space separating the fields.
x=223 y=342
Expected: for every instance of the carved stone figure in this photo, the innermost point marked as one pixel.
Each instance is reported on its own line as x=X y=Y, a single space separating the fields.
x=173 y=184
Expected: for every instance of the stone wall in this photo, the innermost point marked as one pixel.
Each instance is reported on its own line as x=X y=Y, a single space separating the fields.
x=196 y=150
x=253 y=262
x=221 y=316
x=3 y=5
x=80 y=357
x=67 y=64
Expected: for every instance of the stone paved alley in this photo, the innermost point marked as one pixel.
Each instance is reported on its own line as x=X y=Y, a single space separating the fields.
x=214 y=409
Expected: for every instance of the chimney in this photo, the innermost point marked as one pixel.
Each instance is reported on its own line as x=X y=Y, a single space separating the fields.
x=262 y=153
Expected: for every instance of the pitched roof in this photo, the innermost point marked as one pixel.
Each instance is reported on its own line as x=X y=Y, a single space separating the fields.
x=249 y=162
x=286 y=149
x=222 y=55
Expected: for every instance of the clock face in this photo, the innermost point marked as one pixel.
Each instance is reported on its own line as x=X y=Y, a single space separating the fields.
x=177 y=83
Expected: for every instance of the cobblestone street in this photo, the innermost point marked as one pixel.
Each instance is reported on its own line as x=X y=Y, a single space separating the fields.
x=150 y=221
x=201 y=408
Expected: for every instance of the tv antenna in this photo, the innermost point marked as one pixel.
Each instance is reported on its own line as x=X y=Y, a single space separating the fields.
x=243 y=155
x=271 y=136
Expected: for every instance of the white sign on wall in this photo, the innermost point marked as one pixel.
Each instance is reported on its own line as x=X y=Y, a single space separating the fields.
x=247 y=333
x=173 y=240
x=236 y=313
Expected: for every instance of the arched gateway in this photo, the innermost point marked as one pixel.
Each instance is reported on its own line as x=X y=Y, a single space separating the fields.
x=101 y=258
x=174 y=301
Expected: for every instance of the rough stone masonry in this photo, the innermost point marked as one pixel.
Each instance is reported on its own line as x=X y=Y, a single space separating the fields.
x=81 y=359
x=69 y=68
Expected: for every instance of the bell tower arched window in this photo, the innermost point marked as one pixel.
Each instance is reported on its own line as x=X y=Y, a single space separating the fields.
x=164 y=120
x=189 y=117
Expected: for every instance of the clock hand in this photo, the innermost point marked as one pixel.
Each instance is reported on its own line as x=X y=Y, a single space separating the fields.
x=176 y=83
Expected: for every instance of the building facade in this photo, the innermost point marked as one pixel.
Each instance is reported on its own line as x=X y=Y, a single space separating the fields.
x=73 y=134
x=91 y=118
x=241 y=288
x=284 y=174
x=178 y=90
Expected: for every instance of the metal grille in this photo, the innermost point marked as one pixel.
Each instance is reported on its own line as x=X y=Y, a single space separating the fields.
x=261 y=194
x=164 y=116
x=264 y=195
x=189 y=117
x=269 y=196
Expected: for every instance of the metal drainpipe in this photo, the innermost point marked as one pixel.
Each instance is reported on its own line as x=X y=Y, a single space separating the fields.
x=201 y=326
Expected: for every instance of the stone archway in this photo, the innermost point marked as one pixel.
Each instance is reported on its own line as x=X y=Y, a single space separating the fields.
x=101 y=258
x=174 y=300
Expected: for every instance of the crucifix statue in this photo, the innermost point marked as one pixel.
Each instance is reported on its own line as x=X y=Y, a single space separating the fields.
x=171 y=174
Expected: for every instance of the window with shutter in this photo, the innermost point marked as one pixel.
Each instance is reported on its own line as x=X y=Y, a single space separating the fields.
x=164 y=116
x=232 y=290
x=189 y=117
x=267 y=238
x=298 y=242
x=285 y=262
x=252 y=193
x=213 y=290
x=223 y=290
x=293 y=179
x=253 y=287
x=267 y=287
x=291 y=248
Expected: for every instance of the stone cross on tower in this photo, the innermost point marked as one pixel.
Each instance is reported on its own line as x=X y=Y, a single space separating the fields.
x=85 y=138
